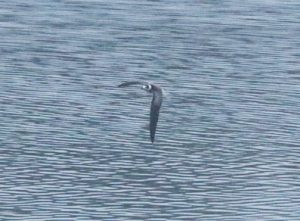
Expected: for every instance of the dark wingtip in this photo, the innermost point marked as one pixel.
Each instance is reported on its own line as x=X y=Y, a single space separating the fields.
x=121 y=85
x=125 y=84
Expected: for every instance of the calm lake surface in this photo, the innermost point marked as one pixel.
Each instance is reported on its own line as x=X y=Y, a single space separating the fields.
x=74 y=146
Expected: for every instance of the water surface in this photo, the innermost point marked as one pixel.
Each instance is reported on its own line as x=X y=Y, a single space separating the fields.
x=75 y=147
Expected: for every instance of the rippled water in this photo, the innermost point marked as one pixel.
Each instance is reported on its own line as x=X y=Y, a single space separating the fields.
x=75 y=147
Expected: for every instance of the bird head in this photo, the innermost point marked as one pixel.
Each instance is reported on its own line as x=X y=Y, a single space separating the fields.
x=147 y=87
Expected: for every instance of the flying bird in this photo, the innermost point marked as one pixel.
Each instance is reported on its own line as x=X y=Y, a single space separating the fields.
x=155 y=104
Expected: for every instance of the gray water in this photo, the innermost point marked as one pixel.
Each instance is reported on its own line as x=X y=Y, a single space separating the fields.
x=76 y=147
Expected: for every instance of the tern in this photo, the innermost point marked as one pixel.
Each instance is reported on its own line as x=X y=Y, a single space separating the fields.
x=157 y=96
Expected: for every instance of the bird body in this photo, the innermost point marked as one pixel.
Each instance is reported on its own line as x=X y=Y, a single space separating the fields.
x=157 y=96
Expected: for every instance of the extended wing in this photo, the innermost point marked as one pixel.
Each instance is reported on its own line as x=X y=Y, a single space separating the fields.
x=129 y=83
x=154 y=112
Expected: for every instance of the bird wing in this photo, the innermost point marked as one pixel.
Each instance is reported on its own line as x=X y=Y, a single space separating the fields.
x=129 y=83
x=154 y=112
